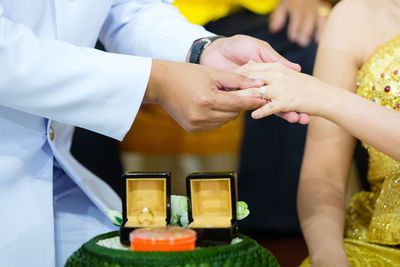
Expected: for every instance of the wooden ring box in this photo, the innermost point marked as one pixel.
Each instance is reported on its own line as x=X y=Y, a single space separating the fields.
x=212 y=198
x=140 y=190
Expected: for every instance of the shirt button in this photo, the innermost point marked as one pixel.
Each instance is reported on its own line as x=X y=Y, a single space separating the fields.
x=51 y=133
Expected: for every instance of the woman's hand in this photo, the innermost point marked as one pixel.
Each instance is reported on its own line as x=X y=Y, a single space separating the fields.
x=286 y=90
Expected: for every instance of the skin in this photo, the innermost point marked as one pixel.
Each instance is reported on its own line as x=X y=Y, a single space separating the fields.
x=201 y=109
x=204 y=105
x=305 y=20
x=341 y=115
x=230 y=53
x=197 y=97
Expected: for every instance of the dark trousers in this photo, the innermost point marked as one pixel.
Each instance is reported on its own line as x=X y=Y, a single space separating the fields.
x=272 y=149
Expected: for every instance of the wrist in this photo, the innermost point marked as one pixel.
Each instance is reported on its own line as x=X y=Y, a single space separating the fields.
x=334 y=101
x=152 y=94
x=320 y=98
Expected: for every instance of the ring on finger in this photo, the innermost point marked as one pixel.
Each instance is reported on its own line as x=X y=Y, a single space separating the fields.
x=262 y=90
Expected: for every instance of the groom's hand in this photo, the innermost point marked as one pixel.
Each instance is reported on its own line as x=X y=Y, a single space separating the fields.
x=196 y=96
x=230 y=53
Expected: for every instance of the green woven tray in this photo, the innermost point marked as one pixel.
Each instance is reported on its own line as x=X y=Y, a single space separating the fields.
x=246 y=253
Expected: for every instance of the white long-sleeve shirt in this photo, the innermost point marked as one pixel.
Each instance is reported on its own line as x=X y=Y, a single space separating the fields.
x=51 y=79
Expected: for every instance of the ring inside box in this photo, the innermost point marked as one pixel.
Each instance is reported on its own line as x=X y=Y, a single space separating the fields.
x=146 y=193
x=211 y=203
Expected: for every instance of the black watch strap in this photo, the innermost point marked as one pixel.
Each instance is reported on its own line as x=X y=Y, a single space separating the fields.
x=198 y=47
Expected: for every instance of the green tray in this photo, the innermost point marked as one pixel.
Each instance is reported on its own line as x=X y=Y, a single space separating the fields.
x=246 y=253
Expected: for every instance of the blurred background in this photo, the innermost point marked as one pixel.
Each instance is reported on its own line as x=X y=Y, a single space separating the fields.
x=266 y=153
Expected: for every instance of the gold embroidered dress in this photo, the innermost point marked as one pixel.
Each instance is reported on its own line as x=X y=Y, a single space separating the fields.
x=372 y=229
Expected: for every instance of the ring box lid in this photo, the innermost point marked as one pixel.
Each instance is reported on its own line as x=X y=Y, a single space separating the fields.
x=212 y=199
x=146 y=189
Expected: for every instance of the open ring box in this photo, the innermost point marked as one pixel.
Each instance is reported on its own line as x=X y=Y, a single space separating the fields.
x=212 y=201
x=140 y=190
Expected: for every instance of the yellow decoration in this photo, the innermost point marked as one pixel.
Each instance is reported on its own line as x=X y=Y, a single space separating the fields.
x=203 y=11
x=372 y=230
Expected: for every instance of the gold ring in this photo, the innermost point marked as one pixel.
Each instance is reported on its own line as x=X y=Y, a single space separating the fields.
x=262 y=90
x=323 y=11
x=145 y=216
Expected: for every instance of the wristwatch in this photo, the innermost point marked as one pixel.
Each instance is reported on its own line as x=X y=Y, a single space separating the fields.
x=198 y=47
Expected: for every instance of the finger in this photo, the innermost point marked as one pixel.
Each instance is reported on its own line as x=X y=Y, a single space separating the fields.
x=250 y=92
x=266 y=76
x=218 y=116
x=233 y=81
x=269 y=55
x=304 y=118
x=306 y=31
x=212 y=120
x=258 y=67
x=290 y=116
x=278 y=19
x=267 y=110
x=205 y=127
x=228 y=101
x=244 y=67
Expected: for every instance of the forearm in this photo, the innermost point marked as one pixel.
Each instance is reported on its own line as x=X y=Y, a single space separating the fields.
x=321 y=211
x=372 y=123
x=79 y=86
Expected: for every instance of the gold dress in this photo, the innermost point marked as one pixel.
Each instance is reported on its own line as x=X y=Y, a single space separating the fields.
x=372 y=229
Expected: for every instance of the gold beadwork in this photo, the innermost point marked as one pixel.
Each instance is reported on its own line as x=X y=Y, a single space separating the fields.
x=372 y=229
x=379 y=81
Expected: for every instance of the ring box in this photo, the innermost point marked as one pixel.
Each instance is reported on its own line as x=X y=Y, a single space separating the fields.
x=140 y=190
x=212 y=198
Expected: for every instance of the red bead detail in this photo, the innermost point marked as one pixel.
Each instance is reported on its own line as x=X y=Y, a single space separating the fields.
x=383 y=75
x=373 y=88
x=396 y=72
x=387 y=89
x=398 y=106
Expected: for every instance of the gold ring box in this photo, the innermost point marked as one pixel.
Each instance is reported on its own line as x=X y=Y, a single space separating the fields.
x=212 y=198
x=144 y=190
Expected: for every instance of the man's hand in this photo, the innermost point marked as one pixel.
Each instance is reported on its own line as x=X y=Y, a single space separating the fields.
x=232 y=52
x=306 y=17
x=196 y=96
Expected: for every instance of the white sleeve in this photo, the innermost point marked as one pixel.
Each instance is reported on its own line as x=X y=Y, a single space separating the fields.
x=79 y=86
x=150 y=28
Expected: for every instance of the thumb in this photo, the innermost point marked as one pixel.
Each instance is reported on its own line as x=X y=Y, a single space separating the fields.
x=232 y=81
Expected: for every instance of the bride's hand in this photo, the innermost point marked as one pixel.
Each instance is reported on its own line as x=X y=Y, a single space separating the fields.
x=285 y=89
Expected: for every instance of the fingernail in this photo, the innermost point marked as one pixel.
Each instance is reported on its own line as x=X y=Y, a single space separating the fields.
x=260 y=82
x=255 y=114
